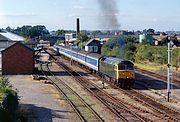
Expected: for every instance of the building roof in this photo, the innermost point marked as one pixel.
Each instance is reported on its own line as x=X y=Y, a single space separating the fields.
x=11 y=36
x=91 y=40
x=16 y=44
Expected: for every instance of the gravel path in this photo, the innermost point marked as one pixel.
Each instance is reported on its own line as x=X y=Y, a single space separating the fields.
x=41 y=99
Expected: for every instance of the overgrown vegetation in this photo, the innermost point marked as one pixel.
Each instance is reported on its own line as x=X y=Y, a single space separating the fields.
x=10 y=103
x=129 y=48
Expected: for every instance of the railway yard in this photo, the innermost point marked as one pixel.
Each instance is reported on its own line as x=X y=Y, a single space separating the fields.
x=67 y=92
x=117 y=64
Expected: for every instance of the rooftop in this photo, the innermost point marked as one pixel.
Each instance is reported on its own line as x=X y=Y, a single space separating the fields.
x=11 y=36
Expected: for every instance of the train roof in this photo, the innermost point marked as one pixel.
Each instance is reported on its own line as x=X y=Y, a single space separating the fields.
x=114 y=60
x=69 y=48
x=83 y=52
x=95 y=55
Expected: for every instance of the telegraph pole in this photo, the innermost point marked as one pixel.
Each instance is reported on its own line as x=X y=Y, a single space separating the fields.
x=168 y=73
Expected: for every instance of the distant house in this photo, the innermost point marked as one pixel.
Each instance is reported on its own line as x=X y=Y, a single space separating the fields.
x=7 y=39
x=93 y=46
x=146 y=38
x=70 y=37
x=104 y=38
x=163 y=39
x=52 y=39
x=31 y=43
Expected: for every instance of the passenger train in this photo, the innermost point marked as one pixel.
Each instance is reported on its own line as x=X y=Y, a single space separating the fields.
x=118 y=71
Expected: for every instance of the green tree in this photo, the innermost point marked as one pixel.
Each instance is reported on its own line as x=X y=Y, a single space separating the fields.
x=83 y=37
x=29 y=31
x=59 y=33
x=176 y=58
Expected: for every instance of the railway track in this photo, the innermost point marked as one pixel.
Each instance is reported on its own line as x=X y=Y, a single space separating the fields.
x=122 y=109
x=156 y=75
x=157 y=107
x=83 y=110
x=162 y=112
x=151 y=103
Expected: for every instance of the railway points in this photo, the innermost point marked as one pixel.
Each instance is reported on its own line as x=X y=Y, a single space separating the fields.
x=83 y=110
x=66 y=64
x=118 y=104
x=157 y=110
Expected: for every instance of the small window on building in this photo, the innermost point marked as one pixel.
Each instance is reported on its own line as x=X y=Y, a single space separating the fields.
x=95 y=49
x=74 y=36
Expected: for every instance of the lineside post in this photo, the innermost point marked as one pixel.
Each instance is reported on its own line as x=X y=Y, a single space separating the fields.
x=168 y=72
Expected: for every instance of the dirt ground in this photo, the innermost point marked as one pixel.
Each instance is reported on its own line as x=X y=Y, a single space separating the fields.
x=41 y=102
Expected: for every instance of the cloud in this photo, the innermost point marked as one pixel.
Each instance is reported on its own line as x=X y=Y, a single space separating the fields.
x=78 y=7
x=154 y=20
x=74 y=15
x=17 y=14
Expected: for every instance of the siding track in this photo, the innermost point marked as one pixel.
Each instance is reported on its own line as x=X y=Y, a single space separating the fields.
x=83 y=110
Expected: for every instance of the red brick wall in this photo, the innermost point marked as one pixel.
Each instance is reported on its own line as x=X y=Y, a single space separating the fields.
x=17 y=60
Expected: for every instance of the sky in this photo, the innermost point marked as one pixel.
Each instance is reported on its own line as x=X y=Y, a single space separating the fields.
x=161 y=15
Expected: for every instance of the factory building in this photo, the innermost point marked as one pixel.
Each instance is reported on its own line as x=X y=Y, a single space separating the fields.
x=17 y=59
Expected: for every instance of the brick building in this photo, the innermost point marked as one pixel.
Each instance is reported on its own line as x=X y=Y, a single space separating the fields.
x=17 y=59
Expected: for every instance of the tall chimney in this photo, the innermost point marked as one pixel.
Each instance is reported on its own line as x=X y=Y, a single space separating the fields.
x=78 y=27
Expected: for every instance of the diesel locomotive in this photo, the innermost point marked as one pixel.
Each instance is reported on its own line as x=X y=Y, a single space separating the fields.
x=118 y=71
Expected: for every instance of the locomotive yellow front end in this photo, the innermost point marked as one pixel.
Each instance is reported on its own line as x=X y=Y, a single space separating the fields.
x=125 y=74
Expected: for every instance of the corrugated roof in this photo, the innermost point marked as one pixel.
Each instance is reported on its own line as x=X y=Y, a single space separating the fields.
x=11 y=36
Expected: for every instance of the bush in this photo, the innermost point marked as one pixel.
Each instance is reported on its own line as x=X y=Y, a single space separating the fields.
x=176 y=58
x=4 y=83
x=140 y=53
x=10 y=103
x=151 y=54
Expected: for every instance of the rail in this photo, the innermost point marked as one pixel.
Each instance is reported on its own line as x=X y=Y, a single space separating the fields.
x=83 y=110
x=121 y=109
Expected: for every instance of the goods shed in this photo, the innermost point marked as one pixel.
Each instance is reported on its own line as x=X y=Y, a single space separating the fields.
x=17 y=59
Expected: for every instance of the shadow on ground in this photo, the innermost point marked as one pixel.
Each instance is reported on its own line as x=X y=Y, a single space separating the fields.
x=150 y=83
x=33 y=113
x=63 y=73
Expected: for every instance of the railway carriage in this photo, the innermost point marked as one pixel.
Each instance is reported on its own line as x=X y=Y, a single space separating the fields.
x=92 y=61
x=119 y=71
x=82 y=57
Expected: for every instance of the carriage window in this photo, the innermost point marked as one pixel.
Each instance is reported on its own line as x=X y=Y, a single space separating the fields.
x=121 y=67
x=130 y=67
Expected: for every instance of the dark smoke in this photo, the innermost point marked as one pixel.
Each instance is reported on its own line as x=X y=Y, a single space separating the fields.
x=108 y=14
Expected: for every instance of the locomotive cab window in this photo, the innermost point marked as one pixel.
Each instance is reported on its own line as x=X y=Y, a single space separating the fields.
x=130 y=67
x=121 y=67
